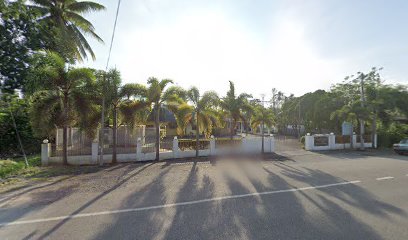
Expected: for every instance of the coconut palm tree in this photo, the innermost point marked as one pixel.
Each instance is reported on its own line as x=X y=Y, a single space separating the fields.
x=66 y=98
x=200 y=114
x=262 y=117
x=157 y=96
x=67 y=24
x=233 y=106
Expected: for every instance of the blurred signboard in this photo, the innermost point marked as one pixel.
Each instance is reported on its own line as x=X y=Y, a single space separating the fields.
x=346 y=128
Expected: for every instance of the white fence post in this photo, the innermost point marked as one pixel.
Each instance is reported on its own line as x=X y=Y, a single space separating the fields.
x=45 y=152
x=332 y=141
x=272 y=142
x=309 y=142
x=139 y=149
x=175 y=147
x=354 y=140
x=212 y=145
x=243 y=143
x=95 y=147
x=375 y=141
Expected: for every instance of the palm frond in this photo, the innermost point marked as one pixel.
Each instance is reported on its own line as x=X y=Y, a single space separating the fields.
x=84 y=6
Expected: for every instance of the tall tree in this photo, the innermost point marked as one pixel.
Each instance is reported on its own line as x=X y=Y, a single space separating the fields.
x=262 y=117
x=67 y=26
x=158 y=96
x=201 y=114
x=233 y=105
x=66 y=97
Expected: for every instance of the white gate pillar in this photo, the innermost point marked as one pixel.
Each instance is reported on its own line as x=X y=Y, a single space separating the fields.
x=309 y=142
x=45 y=152
x=175 y=147
x=139 y=149
x=94 y=149
x=212 y=146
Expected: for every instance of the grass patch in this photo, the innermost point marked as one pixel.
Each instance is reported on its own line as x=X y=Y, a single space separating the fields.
x=14 y=167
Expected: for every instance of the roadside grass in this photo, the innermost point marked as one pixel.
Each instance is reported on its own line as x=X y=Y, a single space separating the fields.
x=16 y=167
x=13 y=172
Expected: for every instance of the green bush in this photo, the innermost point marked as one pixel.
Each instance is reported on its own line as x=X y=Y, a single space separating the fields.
x=10 y=167
x=393 y=134
x=9 y=146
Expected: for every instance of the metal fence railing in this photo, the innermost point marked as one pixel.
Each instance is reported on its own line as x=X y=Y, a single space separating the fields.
x=321 y=141
x=191 y=144
x=342 y=139
x=227 y=142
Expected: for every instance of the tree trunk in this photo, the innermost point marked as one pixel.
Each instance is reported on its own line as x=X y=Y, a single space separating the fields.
x=232 y=129
x=262 y=132
x=197 y=135
x=115 y=134
x=65 y=132
x=361 y=134
x=64 y=145
x=351 y=137
x=374 y=130
x=157 y=126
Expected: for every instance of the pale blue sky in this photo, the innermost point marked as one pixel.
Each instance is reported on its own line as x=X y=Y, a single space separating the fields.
x=295 y=45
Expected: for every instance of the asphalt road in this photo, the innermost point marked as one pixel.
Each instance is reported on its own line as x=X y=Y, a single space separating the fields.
x=303 y=196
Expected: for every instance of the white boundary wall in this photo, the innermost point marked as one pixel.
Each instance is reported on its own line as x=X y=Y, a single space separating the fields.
x=332 y=145
x=250 y=145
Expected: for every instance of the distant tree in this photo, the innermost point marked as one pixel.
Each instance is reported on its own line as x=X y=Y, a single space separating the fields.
x=157 y=96
x=233 y=105
x=201 y=113
x=263 y=117
x=120 y=102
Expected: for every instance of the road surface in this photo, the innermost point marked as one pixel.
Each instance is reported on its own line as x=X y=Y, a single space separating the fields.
x=306 y=195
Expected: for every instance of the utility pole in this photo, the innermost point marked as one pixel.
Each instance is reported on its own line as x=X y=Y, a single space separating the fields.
x=362 y=76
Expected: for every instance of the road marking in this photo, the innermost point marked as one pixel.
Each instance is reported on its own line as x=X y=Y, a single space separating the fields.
x=384 y=178
x=82 y=215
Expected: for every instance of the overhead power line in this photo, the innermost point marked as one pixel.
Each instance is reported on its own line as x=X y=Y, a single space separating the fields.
x=113 y=34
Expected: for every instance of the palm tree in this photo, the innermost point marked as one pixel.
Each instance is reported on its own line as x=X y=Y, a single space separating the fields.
x=262 y=116
x=133 y=108
x=200 y=114
x=157 y=97
x=67 y=97
x=233 y=106
x=124 y=102
x=65 y=18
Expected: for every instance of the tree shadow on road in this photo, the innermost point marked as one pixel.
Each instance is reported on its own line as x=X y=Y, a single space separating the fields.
x=92 y=201
x=352 y=195
x=287 y=215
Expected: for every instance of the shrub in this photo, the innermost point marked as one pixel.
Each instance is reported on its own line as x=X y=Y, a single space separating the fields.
x=393 y=134
x=10 y=167
x=8 y=139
